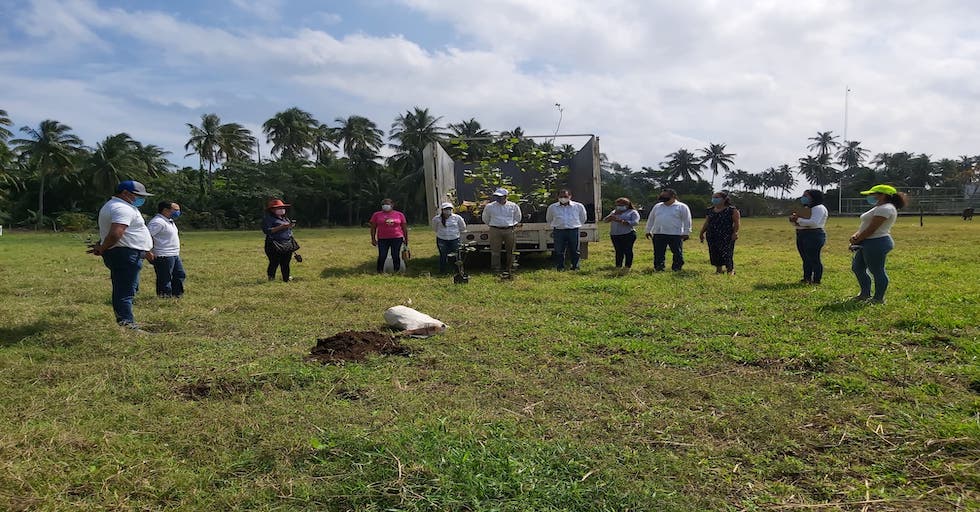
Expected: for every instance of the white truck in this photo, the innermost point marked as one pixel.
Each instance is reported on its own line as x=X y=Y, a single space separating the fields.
x=445 y=180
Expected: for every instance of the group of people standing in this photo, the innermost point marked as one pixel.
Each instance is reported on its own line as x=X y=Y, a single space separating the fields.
x=125 y=239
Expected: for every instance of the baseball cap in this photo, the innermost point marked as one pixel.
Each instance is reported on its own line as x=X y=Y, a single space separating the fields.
x=888 y=190
x=500 y=192
x=132 y=186
x=443 y=206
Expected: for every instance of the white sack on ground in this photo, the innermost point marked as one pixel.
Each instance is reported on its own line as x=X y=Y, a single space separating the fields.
x=413 y=322
x=389 y=266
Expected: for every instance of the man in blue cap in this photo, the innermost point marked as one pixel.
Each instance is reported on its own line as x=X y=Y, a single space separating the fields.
x=123 y=243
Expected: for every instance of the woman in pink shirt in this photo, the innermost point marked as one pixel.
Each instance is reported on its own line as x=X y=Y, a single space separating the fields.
x=388 y=230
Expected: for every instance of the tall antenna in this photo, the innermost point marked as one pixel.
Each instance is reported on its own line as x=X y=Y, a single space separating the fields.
x=558 y=126
x=840 y=184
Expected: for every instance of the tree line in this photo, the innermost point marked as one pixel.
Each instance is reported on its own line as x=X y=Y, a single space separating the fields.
x=336 y=174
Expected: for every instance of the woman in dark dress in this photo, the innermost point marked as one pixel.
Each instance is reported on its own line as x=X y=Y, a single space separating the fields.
x=721 y=224
x=278 y=231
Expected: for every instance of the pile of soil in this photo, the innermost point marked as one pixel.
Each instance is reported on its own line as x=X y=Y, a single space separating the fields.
x=355 y=346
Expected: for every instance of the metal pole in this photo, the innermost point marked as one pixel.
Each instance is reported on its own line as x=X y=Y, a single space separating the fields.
x=840 y=184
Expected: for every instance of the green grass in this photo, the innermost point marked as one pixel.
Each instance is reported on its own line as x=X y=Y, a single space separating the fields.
x=573 y=391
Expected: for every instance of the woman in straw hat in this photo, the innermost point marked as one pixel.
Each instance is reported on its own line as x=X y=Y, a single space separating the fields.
x=279 y=242
x=872 y=241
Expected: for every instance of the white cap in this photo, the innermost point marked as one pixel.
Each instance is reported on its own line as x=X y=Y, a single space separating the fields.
x=500 y=192
x=443 y=206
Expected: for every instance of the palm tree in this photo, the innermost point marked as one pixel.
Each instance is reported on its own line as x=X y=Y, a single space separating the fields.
x=818 y=171
x=784 y=180
x=113 y=160
x=204 y=142
x=153 y=160
x=5 y=121
x=851 y=155
x=412 y=131
x=469 y=150
x=769 y=179
x=360 y=139
x=235 y=143
x=50 y=152
x=824 y=143
x=682 y=165
x=292 y=133
x=714 y=155
x=324 y=141
x=734 y=178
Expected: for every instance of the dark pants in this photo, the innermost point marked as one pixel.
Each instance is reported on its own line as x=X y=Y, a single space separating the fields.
x=277 y=260
x=623 y=244
x=124 y=266
x=394 y=245
x=721 y=252
x=870 y=262
x=447 y=250
x=809 y=242
x=660 y=244
x=566 y=240
x=170 y=276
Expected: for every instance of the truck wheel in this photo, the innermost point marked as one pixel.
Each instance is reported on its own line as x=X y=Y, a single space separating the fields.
x=583 y=250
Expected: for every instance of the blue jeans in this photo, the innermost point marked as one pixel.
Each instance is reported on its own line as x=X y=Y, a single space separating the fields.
x=395 y=246
x=624 y=248
x=870 y=261
x=566 y=240
x=447 y=249
x=660 y=244
x=809 y=242
x=170 y=276
x=124 y=266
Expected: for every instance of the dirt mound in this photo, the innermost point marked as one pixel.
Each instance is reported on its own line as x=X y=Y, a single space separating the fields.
x=355 y=346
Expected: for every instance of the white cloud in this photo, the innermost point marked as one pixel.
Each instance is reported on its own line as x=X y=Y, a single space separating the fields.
x=268 y=10
x=648 y=77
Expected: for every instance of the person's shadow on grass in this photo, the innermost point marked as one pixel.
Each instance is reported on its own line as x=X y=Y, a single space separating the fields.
x=10 y=336
x=843 y=306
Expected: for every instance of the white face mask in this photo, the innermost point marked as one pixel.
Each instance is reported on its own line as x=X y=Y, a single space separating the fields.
x=279 y=211
x=386 y=207
x=564 y=200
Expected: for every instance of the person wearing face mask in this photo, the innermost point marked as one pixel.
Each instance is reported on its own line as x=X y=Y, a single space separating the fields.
x=565 y=218
x=448 y=227
x=389 y=230
x=810 y=235
x=123 y=243
x=721 y=224
x=622 y=230
x=279 y=242
x=873 y=241
x=668 y=225
x=503 y=217
x=165 y=255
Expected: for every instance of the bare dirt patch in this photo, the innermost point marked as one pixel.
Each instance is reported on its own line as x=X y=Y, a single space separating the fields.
x=355 y=346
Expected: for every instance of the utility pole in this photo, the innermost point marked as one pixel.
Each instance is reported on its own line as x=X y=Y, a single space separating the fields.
x=840 y=184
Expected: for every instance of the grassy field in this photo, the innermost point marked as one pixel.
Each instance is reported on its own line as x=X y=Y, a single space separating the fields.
x=574 y=391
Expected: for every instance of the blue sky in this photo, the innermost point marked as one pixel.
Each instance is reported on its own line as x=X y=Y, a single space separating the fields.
x=649 y=77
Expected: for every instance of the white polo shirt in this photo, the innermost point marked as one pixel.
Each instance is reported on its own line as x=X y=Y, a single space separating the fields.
x=566 y=216
x=455 y=226
x=164 y=233
x=117 y=211
x=674 y=219
x=501 y=215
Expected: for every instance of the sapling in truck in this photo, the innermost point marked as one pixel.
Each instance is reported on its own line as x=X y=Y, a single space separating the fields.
x=465 y=172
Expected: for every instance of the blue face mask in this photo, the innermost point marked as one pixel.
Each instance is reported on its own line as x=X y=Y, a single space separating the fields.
x=139 y=201
x=174 y=215
x=620 y=207
x=716 y=201
x=872 y=200
x=804 y=200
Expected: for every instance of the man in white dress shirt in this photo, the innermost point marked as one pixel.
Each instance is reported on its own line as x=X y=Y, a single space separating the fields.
x=165 y=255
x=123 y=242
x=503 y=217
x=565 y=218
x=669 y=225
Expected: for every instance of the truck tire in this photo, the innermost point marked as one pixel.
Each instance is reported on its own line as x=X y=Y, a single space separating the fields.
x=583 y=250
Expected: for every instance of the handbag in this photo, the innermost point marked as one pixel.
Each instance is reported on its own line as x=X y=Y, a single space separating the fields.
x=285 y=246
x=406 y=253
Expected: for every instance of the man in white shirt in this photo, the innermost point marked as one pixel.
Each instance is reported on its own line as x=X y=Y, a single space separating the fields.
x=165 y=255
x=565 y=218
x=669 y=225
x=503 y=217
x=123 y=242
